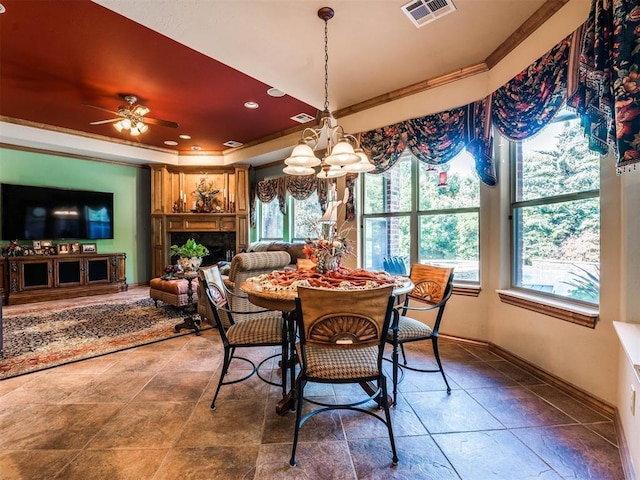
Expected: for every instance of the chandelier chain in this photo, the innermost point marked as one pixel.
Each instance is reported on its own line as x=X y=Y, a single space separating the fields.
x=326 y=66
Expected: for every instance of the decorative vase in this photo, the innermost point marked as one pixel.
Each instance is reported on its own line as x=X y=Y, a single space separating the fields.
x=190 y=264
x=327 y=263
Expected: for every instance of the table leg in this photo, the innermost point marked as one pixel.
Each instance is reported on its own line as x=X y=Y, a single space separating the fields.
x=288 y=400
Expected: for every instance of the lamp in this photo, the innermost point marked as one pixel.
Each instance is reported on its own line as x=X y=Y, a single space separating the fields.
x=343 y=153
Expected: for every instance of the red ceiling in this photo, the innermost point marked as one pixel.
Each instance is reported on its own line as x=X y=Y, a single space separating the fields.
x=58 y=56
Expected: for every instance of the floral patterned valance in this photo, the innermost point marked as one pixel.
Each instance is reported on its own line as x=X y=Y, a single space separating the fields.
x=595 y=70
x=435 y=139
x=300 y=188
x=528 y=102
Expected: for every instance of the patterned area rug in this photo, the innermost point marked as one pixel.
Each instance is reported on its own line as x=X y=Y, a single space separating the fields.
x=40 y=340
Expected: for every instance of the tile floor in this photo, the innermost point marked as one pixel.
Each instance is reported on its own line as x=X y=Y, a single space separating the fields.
x=144 y=414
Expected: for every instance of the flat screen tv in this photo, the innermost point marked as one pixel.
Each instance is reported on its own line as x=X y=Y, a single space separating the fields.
x=34 y=213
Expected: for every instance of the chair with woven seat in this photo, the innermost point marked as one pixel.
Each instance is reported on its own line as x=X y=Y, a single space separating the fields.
x=432 y=286
x=242 y=267
x=342 y=337
x=257 y=328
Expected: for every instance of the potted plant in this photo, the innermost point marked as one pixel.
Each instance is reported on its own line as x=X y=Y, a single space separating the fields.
x=190 y=254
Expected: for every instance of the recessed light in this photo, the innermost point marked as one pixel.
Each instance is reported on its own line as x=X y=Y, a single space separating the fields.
x=185 y=137
x=171 y=143
x=274 y=92
x=251 y=105
x=196 y=147
x=2 y=9
x=232 y=144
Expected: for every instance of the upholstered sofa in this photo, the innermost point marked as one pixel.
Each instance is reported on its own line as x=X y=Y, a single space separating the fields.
x=243 y=266
x=294 y=249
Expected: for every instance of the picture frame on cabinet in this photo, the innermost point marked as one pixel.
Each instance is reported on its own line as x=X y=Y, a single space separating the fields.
x=89 y=248
x=62 y=248
x=75 y=247
x=46 y=243
x=37 y=245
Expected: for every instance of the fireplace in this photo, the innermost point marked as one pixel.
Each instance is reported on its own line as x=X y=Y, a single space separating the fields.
x=221 y=245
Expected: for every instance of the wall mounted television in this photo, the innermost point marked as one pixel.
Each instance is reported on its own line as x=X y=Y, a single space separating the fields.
x=33 y=213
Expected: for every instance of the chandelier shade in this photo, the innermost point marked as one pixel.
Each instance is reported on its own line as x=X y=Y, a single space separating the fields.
x=343 y=152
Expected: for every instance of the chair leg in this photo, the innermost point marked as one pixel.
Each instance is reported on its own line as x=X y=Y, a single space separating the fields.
x=387 y=414
x=436 y=353
x=394 y=361
x=299 y=396
x=228 y=354
x=404 y=355
x=285 y=359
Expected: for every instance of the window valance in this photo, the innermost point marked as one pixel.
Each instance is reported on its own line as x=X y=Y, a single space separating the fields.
x=594 y=70
x=300 y=188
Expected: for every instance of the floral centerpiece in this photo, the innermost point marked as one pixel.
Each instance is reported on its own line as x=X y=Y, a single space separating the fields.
x=204 y=195
x=328 y=250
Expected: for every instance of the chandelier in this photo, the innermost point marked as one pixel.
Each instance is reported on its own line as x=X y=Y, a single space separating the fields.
x=343 y=152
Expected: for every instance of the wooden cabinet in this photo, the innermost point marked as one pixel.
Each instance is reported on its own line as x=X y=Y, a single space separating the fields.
x=41 y=278
x=172 y=208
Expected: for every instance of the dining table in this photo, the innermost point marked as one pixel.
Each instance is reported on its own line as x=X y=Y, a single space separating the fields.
x=278 y=291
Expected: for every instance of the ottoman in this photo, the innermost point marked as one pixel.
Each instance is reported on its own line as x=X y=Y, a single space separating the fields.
x=173 y=292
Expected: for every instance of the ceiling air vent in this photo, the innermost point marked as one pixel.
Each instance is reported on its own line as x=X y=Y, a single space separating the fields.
x=232 y=144
x=303 y=118
x=421 y=12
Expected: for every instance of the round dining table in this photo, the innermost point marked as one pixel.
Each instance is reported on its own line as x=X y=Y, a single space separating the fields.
x=284 y=300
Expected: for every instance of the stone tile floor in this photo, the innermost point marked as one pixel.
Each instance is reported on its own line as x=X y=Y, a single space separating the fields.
x=144 y=414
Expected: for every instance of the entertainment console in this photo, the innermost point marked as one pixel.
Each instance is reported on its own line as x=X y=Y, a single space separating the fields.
x=40 y=278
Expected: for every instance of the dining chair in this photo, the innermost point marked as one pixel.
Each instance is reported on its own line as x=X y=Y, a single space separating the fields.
x=342 y=337
x=432 y=286
x=242 y=267
x=257 y=328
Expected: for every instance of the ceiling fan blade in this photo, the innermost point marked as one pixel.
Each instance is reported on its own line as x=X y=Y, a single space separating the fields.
x=156 y=121
x=101 y=122
x=100 y=108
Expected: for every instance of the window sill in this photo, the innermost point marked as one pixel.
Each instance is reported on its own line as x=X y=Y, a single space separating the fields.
x=629 y=335
x=567 y=311
x=466 y=290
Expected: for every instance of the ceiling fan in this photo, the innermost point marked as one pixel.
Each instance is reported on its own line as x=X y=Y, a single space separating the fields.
x=131 y=117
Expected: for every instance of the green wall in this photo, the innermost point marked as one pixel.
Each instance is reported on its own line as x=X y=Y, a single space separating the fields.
x=131 y=187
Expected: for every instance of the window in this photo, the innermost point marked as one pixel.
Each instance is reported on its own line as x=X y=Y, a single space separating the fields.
x=439 y=224
x=271 y=221
x=556 y=213
x=304 y=215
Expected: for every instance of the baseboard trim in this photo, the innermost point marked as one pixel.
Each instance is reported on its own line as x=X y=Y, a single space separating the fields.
x=625 y=455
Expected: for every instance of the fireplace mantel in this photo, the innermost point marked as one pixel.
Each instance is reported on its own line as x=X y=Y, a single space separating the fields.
x=171 y=214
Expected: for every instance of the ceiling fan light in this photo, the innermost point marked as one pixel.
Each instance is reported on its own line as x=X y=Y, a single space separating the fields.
x=134 y=132
x=141 y=110
x=342 y=154
x=142 y=127
x=298 y=170
x=118 y=126
x=126 y=123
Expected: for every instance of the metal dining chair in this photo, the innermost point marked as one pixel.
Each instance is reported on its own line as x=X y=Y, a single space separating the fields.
x=342 y=337
x=432 y=286
x=257 y=328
